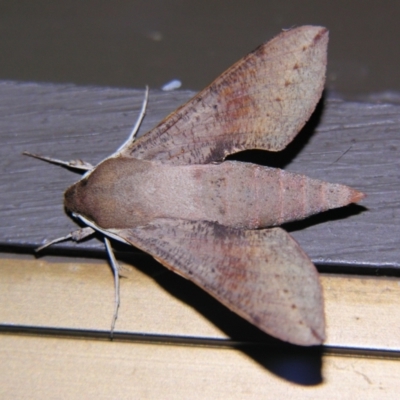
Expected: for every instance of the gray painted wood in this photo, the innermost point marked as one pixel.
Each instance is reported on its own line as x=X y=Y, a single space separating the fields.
x=354 y=143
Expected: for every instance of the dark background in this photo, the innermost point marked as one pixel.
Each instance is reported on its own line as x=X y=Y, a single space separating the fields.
x=130 y=43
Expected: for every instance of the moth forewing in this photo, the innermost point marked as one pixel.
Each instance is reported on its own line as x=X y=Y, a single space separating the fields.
x=262 y=275
x=261 y=102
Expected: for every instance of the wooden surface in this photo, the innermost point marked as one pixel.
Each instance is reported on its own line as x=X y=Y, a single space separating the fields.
x=155 y=301
x=165 y=356
x=67 y=368
x=55 y=312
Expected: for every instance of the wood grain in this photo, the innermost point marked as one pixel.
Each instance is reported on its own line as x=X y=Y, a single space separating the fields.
x=75 y=294
x=53 y=368
x=353 y=143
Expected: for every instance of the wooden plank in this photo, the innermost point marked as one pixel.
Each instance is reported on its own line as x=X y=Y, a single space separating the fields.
x=72 y=294
x=47 y=368
x=348 y=142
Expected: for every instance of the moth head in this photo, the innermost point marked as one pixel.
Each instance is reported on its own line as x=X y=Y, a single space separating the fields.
x=76 y=199
x=93 y=197
x=107 y=195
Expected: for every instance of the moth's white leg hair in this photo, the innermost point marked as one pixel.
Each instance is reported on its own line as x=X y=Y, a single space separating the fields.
x=135 y=129
x=115 y=267
x=75 y=164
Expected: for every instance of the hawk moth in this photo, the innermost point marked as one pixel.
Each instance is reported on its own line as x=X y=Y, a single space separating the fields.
x=172 y=194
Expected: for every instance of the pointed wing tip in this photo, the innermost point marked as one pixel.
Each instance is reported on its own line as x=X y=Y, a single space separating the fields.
x=315 y=35
x=304 y=335
x=318 y=336
x=314 y=333
x=317 y=31
x=312 y=336
x=320 y=37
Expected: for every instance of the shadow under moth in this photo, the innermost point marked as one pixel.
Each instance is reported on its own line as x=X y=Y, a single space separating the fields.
x=171 y=194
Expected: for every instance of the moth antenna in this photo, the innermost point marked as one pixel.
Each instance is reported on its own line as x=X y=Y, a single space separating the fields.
x=75 y=164
x=76 y=236
x=115 y=267
x=135 y=129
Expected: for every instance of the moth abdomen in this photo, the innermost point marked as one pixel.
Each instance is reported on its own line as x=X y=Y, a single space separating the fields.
x=301 y=196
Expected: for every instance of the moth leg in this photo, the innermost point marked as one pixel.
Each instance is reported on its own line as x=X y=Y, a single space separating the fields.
x=75 y=164
x=76 y=236
x=115 y=267
x=135 y=129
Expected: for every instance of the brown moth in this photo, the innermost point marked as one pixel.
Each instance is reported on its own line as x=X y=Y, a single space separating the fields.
x=171 y=194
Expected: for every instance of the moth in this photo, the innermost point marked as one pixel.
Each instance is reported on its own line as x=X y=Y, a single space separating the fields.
x=172 y=194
